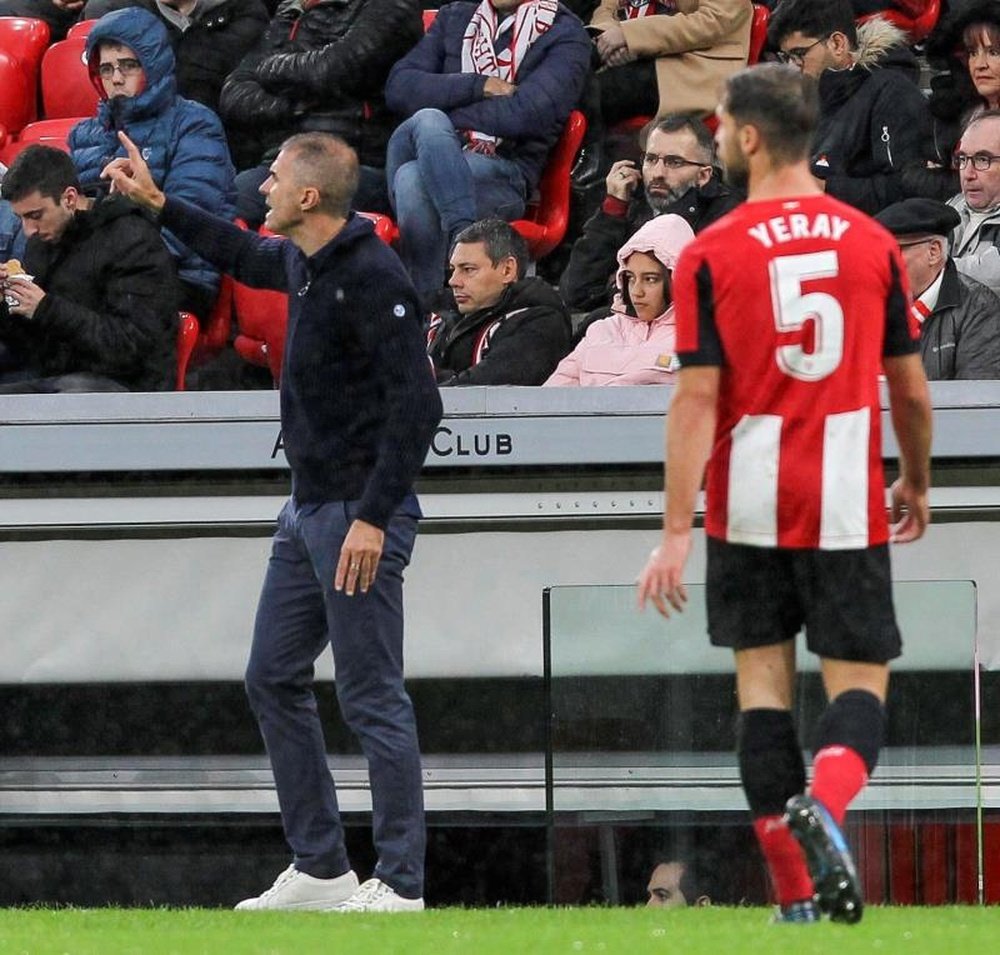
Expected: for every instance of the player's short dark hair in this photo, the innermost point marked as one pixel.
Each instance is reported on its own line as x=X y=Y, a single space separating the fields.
x=42 y=169
x=781 y=102
x=500 y=239
x=814 y=18
x=681 y=122
x=328 y=164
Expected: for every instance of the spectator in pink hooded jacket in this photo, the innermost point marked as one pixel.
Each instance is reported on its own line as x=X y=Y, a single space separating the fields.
x=635 y=344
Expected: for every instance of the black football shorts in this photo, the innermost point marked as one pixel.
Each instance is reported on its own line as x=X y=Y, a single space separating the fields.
x=758 y=596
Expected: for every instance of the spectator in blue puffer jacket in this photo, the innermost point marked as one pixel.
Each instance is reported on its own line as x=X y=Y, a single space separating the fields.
x=132 y=65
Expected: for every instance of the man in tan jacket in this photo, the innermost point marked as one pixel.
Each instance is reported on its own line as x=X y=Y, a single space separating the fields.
x=658 y=57
x=670 y=56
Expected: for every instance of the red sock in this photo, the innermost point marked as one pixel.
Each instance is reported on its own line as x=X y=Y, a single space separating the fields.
x=785 y=860
x=839 y=774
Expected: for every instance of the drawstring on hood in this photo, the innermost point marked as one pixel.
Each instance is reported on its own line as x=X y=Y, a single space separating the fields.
x=663 y=237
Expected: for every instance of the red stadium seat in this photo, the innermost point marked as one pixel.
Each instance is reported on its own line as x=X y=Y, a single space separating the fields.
x=66 y=86
x=26 y=39
x=17 y=101
x=187 y=339
x=545 y=222
x=45 y=132
x=918 y=27
x=261 y=320
x=429 y=18
x=80 y=28
x=385 y=228
x=758 y=32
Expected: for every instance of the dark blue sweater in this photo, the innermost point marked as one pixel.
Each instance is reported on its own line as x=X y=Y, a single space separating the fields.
x=359 y=404
x=549 y=84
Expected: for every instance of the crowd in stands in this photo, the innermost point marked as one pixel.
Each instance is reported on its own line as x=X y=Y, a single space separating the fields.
x=456 y=115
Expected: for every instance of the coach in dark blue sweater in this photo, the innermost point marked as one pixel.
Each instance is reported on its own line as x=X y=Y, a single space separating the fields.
x=358 y=409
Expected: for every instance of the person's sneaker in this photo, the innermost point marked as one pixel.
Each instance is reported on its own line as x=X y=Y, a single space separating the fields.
x=796 y=913
x=375 y=896
x=297 y=890
x=835 y=881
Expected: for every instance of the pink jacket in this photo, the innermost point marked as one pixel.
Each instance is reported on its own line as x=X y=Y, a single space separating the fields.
x=621 y=349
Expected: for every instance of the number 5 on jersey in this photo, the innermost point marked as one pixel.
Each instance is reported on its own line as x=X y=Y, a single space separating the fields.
x=792 y=308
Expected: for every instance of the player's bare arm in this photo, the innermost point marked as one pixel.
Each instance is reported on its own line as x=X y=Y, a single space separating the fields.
x=910 y=407
x=690 y=432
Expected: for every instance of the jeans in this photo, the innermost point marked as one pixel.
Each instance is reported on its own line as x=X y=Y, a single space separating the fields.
x=298 y=617
x=251 y=207
x=438 y=188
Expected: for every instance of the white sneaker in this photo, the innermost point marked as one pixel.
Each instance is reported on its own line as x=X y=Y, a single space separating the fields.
x=375 y=896
x=296 y=890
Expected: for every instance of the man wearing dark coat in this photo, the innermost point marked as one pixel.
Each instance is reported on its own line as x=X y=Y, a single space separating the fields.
x=98 y=312
x=959 y=317
x=505 y=329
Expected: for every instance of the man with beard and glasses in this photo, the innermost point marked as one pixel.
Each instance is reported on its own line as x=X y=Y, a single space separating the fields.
x=677 y=175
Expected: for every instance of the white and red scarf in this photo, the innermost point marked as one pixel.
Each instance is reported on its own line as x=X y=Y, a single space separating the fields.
x=633 y=9
x=479 y=54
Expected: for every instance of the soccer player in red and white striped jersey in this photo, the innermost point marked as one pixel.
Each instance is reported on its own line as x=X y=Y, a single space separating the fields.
x=788 y=310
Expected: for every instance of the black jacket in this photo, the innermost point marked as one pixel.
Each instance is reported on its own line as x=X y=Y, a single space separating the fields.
x=588 y=280
x=961 y=337
x=110 y=305
x=517 y=341
x=952 y=99
x=218 y=36
x=873 y=120
x=322 y=68
x=358 y=402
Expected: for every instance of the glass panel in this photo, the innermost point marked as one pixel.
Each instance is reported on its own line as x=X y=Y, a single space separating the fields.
x=641 y=764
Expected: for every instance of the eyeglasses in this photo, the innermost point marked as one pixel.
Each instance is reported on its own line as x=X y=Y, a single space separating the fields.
x=799 y=53
x=980 y=161
x=671 y=162
x=126 y=66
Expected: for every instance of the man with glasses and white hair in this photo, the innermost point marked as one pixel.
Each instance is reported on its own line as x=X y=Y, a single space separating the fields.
x=873 y=117
x=676 y=174
x=974 y=241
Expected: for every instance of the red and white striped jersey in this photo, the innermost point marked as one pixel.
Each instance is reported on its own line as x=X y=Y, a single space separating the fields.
x=797 y=301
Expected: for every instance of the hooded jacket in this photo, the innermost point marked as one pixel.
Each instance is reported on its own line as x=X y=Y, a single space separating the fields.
x=182 y=141
x=516 y=341
x=873 y=120
x=110 y=305
x=208 y=44
x=320 y=67
x=622 y=349
x=975 y=243
x=586 y=280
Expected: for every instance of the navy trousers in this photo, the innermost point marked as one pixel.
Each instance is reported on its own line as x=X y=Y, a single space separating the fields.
x=298 y=616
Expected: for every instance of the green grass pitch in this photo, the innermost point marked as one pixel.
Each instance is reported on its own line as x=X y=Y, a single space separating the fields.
x=598 y=931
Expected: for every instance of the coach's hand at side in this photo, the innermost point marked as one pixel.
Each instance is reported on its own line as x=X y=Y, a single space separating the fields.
x=910 y=512
x=131 y=177
x=359 y=557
